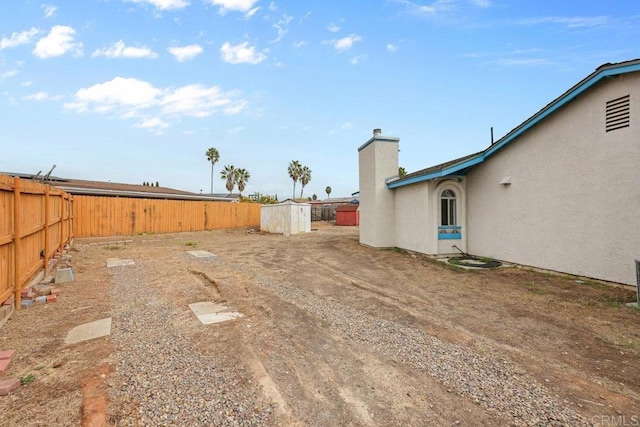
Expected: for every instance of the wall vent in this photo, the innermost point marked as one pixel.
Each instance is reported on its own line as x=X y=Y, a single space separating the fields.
x=617 y=113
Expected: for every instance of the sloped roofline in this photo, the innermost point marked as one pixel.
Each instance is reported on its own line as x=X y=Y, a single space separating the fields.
x=461 y=165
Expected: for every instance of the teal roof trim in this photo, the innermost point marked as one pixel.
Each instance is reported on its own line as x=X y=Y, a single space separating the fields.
x=603 y=72
x=439 y=174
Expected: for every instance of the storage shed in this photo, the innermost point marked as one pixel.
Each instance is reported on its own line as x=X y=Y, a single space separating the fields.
x=286 y=218
x=348 y=215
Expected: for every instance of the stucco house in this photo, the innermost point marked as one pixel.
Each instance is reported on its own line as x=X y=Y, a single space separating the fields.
x=561 y=191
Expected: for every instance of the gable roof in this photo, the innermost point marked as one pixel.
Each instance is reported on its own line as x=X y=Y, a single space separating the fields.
x=461 y=165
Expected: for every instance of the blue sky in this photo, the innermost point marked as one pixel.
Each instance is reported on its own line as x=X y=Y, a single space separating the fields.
x=137 y=90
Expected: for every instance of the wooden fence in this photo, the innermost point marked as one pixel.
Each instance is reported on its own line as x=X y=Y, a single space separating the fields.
x=35 y=222
x=118 y=216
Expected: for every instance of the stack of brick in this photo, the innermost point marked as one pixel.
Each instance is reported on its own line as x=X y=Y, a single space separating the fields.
x=7 y=385
x=42 y=293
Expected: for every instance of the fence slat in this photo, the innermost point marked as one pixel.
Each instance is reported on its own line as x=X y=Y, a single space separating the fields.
x=30 y=217
x=120 y=216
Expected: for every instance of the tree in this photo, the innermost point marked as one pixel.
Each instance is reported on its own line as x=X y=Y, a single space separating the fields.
x=294 y=173
x=241 y=177
x=328 y=191
x=314 y=197
x=401 y=172
x=229 y=174
x=213 y=156
x=305 y=177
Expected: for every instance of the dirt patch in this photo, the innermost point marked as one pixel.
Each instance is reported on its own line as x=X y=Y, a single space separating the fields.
x=573 y=337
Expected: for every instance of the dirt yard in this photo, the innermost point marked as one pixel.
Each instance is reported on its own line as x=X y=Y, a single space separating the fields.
x=332 y=333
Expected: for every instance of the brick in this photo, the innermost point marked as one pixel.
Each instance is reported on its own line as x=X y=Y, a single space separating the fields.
x=26 y=303
x=7 y=354
x=9 y=301
x=42 y=289
x=4 y=365
x=52 y=298
x=41 y=299
x=7 y=386
x=56 y=291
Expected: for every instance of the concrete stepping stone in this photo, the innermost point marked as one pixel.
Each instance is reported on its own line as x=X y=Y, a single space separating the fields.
x=202 y=254
x=209 y=312
x=117 y=262
x=89 y=331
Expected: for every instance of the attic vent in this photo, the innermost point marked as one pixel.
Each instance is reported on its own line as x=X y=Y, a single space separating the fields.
x=617 y=113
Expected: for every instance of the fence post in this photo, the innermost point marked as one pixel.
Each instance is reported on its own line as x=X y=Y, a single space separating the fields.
x=62 y=222
x=17 y=240
x=47 y=235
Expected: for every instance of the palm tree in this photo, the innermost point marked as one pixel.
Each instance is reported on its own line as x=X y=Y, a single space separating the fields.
x=294 y=173
x=241 y=178
x=213 y=156
x=229 y=174
x=328 y=191
x=305 y=177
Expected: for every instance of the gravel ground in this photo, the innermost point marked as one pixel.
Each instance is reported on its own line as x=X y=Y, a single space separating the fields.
x=499 y=386
x=161 y=378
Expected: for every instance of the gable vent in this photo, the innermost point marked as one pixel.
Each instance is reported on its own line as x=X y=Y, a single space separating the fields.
x=617 y=113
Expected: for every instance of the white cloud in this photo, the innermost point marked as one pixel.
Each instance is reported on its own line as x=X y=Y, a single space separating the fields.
x=154 y=124
x=523 y=62
x=129 y=98
x=241 y=53
x=48 y=9
x=427 y=9
x=185 y=53
x=483 y=4
x=333 y=28
x=235 y=130
x=233 y=5
x=273 y=7
x=299 y=44
x=163 y=4
x=17 y=39
x=59 y=41
x=26 y=84
x=392 y=47
x=357 y=59
x=42 y=96
x=346 y=126
x=194 y=100
x=119 y=50
x=346 y=43
x=252 y=12
x=8 y=74
x=570 y=22
x=280 y=26
x=120 y=92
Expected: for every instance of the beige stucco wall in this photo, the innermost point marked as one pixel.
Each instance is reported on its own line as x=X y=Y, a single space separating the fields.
x=413 y=218
x=378 y=160
x=418 y=216
x=574 y=200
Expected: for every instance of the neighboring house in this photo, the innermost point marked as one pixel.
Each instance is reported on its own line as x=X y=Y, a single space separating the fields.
x=561 y=191
x=113 y=189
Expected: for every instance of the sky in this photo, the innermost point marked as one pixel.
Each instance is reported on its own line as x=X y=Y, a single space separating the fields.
x=137 y=90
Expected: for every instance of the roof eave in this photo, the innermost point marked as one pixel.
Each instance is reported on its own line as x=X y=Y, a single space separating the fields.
x=602 y=72
x=451 y=170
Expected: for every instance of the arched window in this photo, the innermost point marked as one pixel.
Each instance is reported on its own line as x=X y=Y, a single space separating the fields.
x=448 y=208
